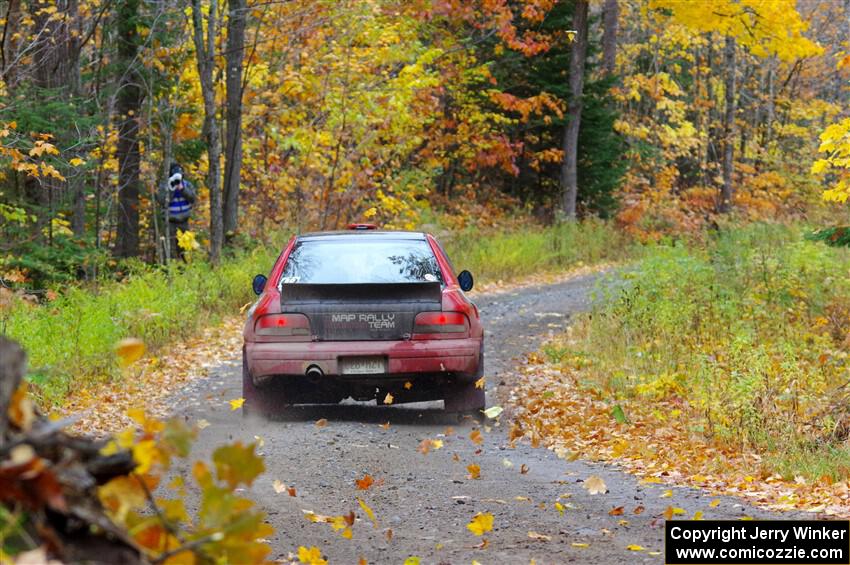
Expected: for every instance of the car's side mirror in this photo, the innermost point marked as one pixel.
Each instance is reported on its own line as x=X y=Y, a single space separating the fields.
x=464 y=279
x=259 y=284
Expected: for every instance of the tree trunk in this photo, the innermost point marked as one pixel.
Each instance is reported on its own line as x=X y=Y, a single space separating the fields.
x=128 y=107
x=569 y=166
x=205 y=54
x=725 y=203
x=233 y=138
x=610 y=17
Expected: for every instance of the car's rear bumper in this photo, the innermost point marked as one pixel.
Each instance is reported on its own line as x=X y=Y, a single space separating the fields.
x=458 y=357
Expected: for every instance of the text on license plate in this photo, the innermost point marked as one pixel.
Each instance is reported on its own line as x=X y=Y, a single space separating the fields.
x=363 y=365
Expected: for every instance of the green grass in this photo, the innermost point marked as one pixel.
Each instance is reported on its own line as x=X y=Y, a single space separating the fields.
x=70 y=340
x=492 y=256
x=749 y=330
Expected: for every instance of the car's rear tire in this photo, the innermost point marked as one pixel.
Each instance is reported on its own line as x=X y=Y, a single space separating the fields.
x=266 y=401
x=466 y=398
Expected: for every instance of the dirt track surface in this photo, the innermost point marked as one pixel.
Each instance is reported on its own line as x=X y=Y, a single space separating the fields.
x=427 y=499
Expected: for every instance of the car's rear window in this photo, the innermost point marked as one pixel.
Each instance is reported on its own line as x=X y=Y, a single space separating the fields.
x=336 y=261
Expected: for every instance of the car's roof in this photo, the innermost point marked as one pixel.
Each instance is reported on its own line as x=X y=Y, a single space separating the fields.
x=352 y=234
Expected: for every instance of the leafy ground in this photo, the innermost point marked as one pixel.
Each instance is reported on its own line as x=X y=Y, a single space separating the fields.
x=723 y=367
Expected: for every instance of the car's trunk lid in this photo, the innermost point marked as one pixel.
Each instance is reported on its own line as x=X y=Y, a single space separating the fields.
x=369 y=311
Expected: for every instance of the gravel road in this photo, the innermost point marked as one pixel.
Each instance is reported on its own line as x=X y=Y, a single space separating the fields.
x=427 y=499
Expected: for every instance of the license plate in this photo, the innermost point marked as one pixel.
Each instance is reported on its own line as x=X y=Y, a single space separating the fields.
x=363 y=365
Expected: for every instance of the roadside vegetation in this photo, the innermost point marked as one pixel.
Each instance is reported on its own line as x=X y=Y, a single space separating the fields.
x=71 y=337
x=744 y=337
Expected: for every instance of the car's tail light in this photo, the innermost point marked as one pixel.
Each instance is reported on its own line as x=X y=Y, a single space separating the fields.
x=282 y=325
x=441 y=323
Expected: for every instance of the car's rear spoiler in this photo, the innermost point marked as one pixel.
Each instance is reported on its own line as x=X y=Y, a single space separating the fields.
x=302 y=293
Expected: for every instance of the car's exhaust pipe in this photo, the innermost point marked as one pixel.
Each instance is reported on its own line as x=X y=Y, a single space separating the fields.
x=314 y=373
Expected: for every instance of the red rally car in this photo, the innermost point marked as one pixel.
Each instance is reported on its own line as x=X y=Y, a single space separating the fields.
x=366 y=314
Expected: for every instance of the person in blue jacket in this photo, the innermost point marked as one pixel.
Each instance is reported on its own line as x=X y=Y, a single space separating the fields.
x=178 y=196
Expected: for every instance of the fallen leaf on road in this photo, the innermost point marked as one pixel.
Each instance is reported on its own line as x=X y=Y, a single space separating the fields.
x=667 y=494
x=481 y=523
x=480 y=382
x=389 y=534
x=639 y=509
x=388 y=399
x=321 y=423
x=560 y=508
x=236 y=403
x=523 y=469
x=312 y=556
x=622 y=522
x=522 y=498
x=668 y=513
x=385 y=426
x=493 y=412
x=595 y=485
x=617 y=511
x=698 y=515
x=260 y=441
x=474 y=471
x=408 y=385
x=635 y=547
x=412 y=560
x=202 y=424
x=369 y=513
x=278 y=486
x=506 y=463
x=539 y=537
x=714 y=503
x=579 y=544
x=365 y=482
x=475 y=436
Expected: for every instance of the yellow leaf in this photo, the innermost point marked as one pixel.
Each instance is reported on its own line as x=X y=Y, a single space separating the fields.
x=595 y=485
x=312 y=556
x=236 y=403
x=493 y=412
x=278 y=486
x=412 y=560
x=76 y=162
x=480 y=382
x=714 y=503
x=321 y=422
x=437 y=443
x=144 y=454
x=368 y=512
x=698 y=515
x=474 y=471
x=581 y=545
x=388 y=399
x=635 y=547
x=667 y=494
x=560 y=508
x=540 y=537
x=129 y=351
x=408 y=385
x=482 y=522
